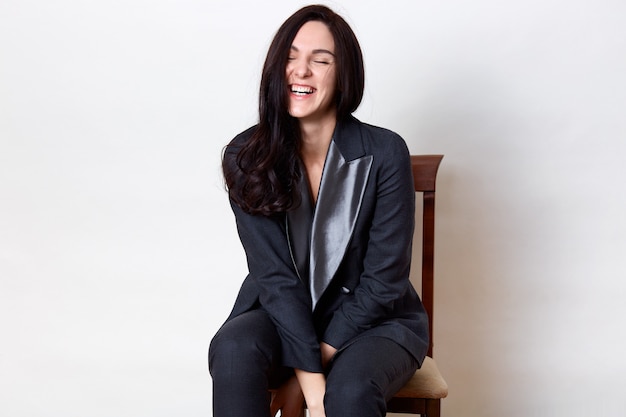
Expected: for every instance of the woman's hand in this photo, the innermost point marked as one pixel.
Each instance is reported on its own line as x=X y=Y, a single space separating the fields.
x=288 y=399
x=313 y=387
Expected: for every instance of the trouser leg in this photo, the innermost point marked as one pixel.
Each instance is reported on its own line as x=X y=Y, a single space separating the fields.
x=364 y=376
x=242 y=360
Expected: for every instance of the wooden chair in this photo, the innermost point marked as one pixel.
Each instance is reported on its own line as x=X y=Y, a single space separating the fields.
x=423 y=393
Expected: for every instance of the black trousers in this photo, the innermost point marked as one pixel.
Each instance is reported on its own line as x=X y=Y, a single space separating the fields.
x=244 y=361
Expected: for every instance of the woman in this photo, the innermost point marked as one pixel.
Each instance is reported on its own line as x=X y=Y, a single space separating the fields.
x=324 y=206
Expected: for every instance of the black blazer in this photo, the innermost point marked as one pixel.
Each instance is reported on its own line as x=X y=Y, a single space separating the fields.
x=360 y=253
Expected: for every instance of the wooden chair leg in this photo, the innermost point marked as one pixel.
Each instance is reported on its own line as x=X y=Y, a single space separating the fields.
x=433 y=408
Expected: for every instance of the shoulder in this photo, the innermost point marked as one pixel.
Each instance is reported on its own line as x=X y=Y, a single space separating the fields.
x=387 y=146
x=234 y=146
x=358 y=139
x=240 y=140
x=230 y=167
x=382 y=138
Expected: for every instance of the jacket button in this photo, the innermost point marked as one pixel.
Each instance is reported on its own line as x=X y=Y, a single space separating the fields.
x=345 y=290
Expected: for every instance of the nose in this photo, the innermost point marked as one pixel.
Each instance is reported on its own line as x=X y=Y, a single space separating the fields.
x=300 y=68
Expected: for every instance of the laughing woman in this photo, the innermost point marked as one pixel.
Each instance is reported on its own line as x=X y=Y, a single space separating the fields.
x=324 y=206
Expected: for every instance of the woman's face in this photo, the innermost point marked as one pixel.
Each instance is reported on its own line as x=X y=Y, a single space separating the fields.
x=311 y=74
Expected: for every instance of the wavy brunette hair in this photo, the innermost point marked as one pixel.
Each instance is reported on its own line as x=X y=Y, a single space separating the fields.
x=262 y=178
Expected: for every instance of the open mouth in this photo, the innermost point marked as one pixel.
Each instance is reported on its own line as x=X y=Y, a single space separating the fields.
x=301 y=90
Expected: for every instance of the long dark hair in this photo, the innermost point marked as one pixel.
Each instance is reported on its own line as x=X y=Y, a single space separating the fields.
x=264 y=175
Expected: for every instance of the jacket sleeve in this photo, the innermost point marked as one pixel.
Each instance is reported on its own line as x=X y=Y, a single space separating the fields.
x=386 y=265
x=281 y=293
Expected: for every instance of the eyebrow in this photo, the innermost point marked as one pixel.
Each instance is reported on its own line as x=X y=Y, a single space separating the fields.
x=315 y=51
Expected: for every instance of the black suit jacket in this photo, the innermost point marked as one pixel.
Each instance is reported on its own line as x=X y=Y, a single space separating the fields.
x=360 y=253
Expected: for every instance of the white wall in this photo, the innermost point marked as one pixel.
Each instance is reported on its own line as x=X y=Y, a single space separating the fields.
x=118 y=255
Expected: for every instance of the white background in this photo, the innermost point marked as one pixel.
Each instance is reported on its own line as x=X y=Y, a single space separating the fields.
x=118 y=253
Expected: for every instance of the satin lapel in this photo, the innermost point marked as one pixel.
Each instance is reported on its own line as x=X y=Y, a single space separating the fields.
x=338 y=204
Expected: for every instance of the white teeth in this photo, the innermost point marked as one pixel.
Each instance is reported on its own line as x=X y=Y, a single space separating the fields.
x=300 y=89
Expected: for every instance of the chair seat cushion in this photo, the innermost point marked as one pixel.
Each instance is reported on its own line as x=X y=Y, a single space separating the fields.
x=426 y=383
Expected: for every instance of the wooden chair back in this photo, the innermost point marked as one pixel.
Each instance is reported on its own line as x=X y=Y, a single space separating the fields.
x=423 y=393
x=425 y=169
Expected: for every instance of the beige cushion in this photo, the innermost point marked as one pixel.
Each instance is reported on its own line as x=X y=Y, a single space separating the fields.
x=426 y=383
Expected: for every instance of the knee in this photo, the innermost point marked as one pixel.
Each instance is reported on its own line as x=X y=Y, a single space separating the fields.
x=245 y=345
x=356 y=394
x=228 y=354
